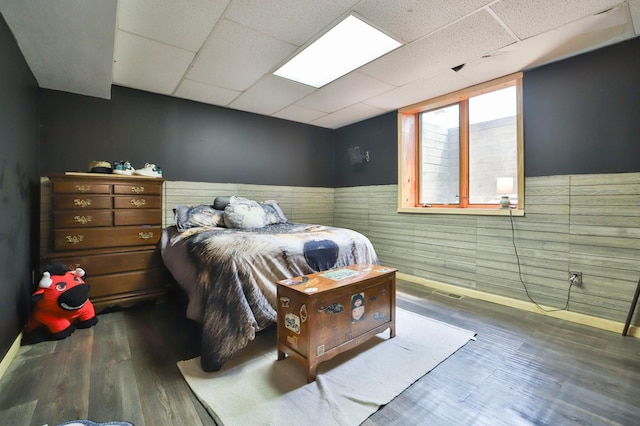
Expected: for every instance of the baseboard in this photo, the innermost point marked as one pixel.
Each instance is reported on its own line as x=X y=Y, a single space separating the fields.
x=10 y=355
x=604 y=324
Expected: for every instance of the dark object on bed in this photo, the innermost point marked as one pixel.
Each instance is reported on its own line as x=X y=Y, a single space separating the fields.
x=229 y=275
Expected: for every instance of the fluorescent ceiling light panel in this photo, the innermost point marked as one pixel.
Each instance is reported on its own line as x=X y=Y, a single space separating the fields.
x=347 y=46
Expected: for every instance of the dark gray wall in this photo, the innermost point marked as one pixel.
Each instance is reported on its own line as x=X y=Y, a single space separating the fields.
x=188 y=140
x=582 y=115
x=379 y=136
x=19 y=186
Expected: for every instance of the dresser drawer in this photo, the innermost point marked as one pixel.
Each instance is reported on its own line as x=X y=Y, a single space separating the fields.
x=82 y=219
x=110 y=263
x=138 y=189
x=66 y=202
x=126 y=282
x=137 y=217
x=81 y=187
x=90 y=238
x=137 y=202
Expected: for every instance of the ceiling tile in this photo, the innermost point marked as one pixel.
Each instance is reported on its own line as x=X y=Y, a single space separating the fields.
x=413 y=19
x=201 y=92
x=67 y=48
x=181 y=23
x=299 y=114
x=212 y=51
x=270 y=94
x=446 y=81
x=352 y=88
x=294 y=21
x=348 y=116
x=235 y=56
x=464 y=41
x=148 y=65
x=528 y=18
x=634 y=5
x=579 y=36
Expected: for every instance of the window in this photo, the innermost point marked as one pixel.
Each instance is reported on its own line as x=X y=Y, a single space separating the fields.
x=463 y=150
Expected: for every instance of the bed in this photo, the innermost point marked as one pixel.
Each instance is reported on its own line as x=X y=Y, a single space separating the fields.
x=228 y=256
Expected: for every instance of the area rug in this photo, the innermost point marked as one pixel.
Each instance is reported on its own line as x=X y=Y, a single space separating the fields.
x=92 y=423
x=254 y=388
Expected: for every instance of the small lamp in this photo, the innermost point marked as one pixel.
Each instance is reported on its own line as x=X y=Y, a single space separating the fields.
x=505 y=187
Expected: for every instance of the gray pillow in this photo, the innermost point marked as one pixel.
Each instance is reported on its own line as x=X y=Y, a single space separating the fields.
x=197 y=216
x=242 y=213
x=274 y=212
x=219 y=203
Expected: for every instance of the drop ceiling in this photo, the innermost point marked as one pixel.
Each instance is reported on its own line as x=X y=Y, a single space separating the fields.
x=223 y=52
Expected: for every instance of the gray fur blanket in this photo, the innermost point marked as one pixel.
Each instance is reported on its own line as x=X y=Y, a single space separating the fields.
x=230 y=275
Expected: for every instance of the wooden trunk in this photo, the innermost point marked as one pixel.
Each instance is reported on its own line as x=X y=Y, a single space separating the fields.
x=324 y=314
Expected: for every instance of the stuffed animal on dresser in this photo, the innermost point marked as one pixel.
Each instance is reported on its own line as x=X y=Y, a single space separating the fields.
x=61 y=304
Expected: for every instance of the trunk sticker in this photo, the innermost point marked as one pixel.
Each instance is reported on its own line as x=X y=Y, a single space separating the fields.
x=292 y=322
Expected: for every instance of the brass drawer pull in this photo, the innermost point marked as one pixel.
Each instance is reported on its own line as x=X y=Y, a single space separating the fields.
x=82 y=203
x=138 y=203
x=82 y=188
x=82 y=219
x=145 y=235
x=137 y=189
x=74 y=239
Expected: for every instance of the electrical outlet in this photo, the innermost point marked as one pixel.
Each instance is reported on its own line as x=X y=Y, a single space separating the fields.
x=575 y=278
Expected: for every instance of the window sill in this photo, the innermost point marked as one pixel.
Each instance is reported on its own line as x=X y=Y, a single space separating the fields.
x=469 y=211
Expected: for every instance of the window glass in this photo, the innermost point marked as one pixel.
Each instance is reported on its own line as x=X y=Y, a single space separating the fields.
x=493 y=147
x=440 y=156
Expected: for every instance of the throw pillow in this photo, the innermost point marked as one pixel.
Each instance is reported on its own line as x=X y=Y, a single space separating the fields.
x=197 y=216
x=274 y=212
x=242 y=213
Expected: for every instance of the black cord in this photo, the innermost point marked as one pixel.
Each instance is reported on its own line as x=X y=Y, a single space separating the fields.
x=513 y=241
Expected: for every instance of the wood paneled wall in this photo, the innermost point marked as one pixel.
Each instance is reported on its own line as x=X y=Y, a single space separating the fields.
x=584 y=223
x=299 y=204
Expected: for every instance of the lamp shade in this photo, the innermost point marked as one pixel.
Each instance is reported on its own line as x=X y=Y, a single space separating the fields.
x=504 y=185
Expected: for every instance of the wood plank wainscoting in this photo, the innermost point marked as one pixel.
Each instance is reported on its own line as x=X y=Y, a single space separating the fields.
x=300 y=204
x=585 y=223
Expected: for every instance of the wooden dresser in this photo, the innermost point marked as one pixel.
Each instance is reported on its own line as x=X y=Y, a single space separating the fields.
x=110 y=226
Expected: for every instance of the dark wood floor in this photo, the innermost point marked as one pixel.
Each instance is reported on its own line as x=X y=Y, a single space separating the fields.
x=524 y=369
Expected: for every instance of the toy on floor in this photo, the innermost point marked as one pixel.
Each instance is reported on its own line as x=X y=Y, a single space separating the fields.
x=61 y=304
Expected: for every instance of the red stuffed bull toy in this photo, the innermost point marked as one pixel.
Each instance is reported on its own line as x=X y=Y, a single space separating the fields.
x=61 y=304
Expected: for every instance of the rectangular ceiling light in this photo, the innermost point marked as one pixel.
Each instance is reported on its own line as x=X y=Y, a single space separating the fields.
x=345 y=47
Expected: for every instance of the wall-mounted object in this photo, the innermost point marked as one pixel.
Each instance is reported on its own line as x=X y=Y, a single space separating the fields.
x=356 y=157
